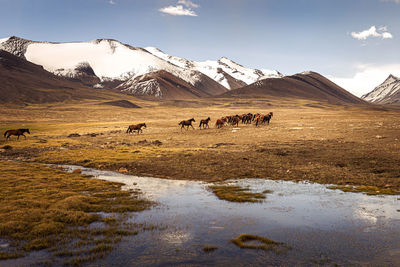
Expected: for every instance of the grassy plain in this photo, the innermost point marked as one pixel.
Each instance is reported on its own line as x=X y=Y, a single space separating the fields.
x=343 y=145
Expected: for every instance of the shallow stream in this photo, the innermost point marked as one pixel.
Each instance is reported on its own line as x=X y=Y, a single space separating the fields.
x=323 y=226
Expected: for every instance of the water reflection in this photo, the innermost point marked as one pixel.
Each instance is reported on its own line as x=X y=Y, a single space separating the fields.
x=323 y=226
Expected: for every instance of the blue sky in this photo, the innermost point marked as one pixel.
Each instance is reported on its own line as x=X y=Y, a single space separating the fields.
x=332 y=37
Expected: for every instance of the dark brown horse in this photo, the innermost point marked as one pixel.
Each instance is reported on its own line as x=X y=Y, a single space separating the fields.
x=18 y=132
x=235 y=121
x=136 y=127
x=220 y=122
x=187 y=123
x=267 y=118
x=204 y=123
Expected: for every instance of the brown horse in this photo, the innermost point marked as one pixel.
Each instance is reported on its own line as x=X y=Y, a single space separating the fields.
x=220 y=122
x=187 y=123
x=235 y=121
x=204 y=123
x=267 y=118
x=136 y=127
x=18 y=132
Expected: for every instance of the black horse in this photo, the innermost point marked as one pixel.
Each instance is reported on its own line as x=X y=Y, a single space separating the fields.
x=187 y=123
x=18 y=132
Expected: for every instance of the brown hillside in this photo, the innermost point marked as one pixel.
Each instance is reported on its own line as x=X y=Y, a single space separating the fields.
x=305 y=86
x=24 y=82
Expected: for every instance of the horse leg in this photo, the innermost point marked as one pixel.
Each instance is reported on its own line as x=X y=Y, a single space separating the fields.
x=24 y=136
x=18 y=137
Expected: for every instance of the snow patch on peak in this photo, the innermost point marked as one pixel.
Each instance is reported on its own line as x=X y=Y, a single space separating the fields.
x=142 y=86
x=306 y=72
x=2 y=40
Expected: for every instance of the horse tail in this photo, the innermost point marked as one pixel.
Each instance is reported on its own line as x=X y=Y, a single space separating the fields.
x=180 y=123
x=127 y=129
x=5 y=133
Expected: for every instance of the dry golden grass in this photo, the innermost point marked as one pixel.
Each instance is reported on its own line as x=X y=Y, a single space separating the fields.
x=305 y=141
x=44 y=208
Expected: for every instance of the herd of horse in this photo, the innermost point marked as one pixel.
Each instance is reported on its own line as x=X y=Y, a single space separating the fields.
x=234 y=120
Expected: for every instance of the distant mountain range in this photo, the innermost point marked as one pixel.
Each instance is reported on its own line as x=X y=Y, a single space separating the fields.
x=111 y=65
x=386 y=93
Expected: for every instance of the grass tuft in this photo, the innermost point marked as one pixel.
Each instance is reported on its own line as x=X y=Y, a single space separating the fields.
x=261 y=243
x=234 y=193
x=369 y=190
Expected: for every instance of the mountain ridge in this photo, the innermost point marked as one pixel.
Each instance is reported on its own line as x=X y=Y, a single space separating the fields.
x=387 y=92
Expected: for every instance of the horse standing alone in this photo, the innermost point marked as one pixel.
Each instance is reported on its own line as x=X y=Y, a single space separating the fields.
x=18 y=132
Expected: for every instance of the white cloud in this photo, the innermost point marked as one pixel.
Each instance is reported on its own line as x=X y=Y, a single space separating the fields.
x=188 y=3
x=111 y=2
x=366 y=78
x=372 y=32
x=178 y=11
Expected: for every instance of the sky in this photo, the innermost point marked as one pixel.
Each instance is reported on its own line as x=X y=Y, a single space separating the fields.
x=353 y=42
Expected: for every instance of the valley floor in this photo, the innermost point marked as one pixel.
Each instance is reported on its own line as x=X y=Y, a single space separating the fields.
x=305 y=141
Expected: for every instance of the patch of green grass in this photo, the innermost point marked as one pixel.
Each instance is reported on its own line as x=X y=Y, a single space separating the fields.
x=369 y=190
x=43 y=208
x=235 y=193
x=260 y=243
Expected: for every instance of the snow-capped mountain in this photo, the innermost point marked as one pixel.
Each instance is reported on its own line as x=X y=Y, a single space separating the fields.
x=225 y=71
x=107 y=63
x=386 y=93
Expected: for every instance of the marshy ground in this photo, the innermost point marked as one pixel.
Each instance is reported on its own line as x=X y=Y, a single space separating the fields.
x=357 y=148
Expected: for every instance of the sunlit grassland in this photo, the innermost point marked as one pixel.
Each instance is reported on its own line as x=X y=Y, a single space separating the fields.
x=306 y=140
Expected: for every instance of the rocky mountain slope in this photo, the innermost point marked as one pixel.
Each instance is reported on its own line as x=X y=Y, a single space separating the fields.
x=224 y=71
x=386 y=93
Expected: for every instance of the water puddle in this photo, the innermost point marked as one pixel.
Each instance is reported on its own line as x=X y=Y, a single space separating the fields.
x=322 y=226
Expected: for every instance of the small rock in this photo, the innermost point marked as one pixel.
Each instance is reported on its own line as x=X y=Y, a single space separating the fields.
x=7 y=147
x=123 y=170
x=42 y=141
x=77 y=171
x=134 y=183
x=379 y=137
x=74 y=135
